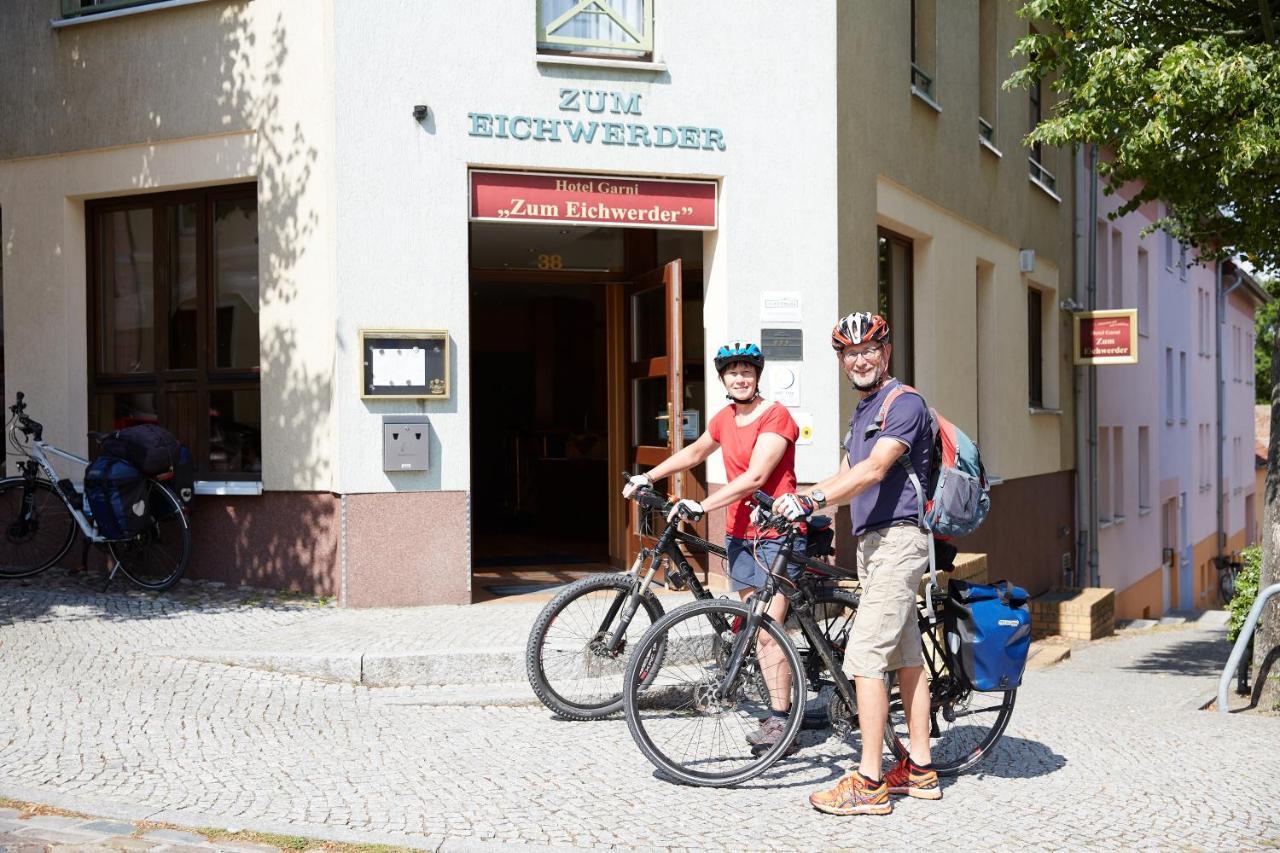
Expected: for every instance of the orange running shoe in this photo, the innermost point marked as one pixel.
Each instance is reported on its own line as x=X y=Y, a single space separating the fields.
x=906 y=778
x=852 y=795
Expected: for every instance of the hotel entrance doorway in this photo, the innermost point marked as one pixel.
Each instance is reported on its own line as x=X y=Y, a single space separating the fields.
x=585 y=345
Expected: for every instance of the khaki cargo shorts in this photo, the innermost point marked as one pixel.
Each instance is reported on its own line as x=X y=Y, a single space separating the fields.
x=886 y=635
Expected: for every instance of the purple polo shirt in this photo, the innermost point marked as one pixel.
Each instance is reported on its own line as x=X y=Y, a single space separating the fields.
x=894 y=498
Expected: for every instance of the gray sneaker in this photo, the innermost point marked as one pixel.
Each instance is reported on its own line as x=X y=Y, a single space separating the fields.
x=770 y=731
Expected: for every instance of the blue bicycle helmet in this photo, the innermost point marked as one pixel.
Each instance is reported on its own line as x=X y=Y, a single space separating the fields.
x=739 y=351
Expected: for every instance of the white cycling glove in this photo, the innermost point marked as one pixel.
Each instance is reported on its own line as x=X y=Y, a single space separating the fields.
x=638 y=481
x=793 y=506
x=691 y=510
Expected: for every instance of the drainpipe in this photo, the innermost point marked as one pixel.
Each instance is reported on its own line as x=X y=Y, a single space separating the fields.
x=1221 y=401
x=1079 y=241
x=1094 y=576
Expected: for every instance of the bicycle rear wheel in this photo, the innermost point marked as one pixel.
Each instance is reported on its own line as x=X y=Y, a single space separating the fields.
x=964 y=724
x=677 y=718
x=156 y=558
x=31 y=543
x=569 y=666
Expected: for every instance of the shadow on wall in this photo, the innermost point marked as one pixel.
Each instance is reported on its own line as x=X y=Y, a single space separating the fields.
x=283 y=540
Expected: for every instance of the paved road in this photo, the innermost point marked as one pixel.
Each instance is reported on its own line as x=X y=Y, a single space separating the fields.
x=1105 y=750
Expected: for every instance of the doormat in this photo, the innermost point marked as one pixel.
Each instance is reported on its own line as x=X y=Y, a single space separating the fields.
x=504 y=589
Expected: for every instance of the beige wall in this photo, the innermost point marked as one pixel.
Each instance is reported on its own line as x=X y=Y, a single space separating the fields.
x=164 y=74
x=921 y=171
x=250 y=83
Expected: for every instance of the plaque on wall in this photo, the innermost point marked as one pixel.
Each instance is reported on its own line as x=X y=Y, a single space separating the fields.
x=399 y=363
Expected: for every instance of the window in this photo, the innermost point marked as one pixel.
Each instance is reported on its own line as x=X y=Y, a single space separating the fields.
x=1249 y=353
x=1035 y=350
x=1237 y=340
x=1168 y=385
x=1118 y=472
x=79 y=8
x=1250 y=520
x=1182 y=386
x=924 y=41
x=1104 y=475
x=1168 y=250
x=611 y=29
x=894 y=300
x=173 y=322
x=1182 y=262
x=1237 y=473
x=1144 y=469
x=1039 y=173
x=1115 y=292
x=988 y=79
x=1144 y=293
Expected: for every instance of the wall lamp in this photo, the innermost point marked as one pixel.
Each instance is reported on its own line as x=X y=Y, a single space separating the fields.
x=420 y=112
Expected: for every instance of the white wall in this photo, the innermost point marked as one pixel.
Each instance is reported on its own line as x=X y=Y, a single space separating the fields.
x=402 y=189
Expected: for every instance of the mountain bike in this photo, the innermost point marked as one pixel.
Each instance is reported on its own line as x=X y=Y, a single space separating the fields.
x=40 y=514
x=691 y=693
x=578 y=647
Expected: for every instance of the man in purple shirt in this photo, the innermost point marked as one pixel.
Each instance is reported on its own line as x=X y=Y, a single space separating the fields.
x=893 y=555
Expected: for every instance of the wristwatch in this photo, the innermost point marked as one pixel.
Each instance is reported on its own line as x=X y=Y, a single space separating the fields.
x=819 y=498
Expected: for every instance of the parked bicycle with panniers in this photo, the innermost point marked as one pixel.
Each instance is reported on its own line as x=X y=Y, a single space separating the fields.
x=133 y=503
x=578 y=648
x=692 y=694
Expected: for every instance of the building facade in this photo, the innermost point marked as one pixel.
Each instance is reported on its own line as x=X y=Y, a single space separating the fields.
x=1161 y=423
x=291 y=232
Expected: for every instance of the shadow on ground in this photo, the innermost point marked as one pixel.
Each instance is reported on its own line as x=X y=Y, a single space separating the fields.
x=1196 y=656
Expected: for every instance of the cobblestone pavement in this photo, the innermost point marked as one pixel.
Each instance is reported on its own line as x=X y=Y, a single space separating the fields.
x=1105 y=750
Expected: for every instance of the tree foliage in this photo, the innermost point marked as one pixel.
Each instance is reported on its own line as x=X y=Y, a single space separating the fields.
x=1186 y=96
x=1264 y=342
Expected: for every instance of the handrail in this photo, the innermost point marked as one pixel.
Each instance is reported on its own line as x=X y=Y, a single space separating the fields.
x=1237 y=651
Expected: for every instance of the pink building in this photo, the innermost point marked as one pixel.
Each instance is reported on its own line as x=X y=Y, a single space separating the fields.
x=1159 y=423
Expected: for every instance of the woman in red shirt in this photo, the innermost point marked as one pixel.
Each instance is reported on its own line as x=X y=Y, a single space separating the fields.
x=758 y=441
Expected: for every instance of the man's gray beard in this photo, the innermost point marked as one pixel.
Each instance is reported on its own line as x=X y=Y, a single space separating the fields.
x=858 y=386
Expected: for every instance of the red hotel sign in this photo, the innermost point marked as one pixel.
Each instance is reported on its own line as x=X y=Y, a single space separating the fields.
x=592 y=200
x=1105 y=337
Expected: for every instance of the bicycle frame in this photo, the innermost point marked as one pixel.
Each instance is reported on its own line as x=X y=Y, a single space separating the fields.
x=39 y=463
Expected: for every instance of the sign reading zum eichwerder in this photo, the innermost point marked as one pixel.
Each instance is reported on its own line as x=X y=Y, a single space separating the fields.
x=498 y=196
x=1105 y=337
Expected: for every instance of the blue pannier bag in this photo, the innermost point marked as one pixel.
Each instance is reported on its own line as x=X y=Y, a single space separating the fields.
x=988 y=630
x=117 y=495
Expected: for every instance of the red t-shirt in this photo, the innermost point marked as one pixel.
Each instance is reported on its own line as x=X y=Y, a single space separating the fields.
x=737 y=443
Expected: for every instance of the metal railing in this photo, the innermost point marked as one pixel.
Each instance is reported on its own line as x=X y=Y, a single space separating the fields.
x=1242 y=642
x=986 y=131
x=921 y=81
x=78 y=8
x=1042 y=175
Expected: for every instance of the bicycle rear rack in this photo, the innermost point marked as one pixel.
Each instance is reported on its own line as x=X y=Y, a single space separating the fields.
x=1242 y=642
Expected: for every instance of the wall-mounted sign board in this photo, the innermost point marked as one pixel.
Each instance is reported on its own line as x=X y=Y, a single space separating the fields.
x=400 y=363
x=1105 y=337
x=592 y=200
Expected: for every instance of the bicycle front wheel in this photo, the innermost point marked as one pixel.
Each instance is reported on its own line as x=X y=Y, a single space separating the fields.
x=964 y=724
x=156 y=557
x=35 y=540
x=570 y=666
x=684 y=718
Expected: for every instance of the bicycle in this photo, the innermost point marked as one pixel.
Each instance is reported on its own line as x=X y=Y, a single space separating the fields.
x=40 y=514
x=576 y=653
x=1229 y=569
x=691 y=715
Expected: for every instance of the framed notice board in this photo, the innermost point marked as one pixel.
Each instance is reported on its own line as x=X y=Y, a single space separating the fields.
x=399 y=363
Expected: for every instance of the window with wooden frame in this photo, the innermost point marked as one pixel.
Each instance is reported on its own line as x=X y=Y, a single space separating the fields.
x=173 y=322
x=894 y=300
x=1035 y=349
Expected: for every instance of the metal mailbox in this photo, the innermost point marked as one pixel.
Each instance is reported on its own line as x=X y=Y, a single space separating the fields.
x=406 y=442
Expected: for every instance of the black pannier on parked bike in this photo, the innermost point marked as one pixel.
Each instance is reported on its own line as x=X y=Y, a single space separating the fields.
x=117 y=496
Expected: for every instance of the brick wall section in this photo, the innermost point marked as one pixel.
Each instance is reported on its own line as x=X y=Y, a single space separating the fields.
x=1077 y=614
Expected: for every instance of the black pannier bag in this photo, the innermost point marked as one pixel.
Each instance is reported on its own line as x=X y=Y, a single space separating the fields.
x=117 y=495
x=150 y=448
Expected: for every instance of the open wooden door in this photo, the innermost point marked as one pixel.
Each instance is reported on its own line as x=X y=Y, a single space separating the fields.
x=654 y=370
